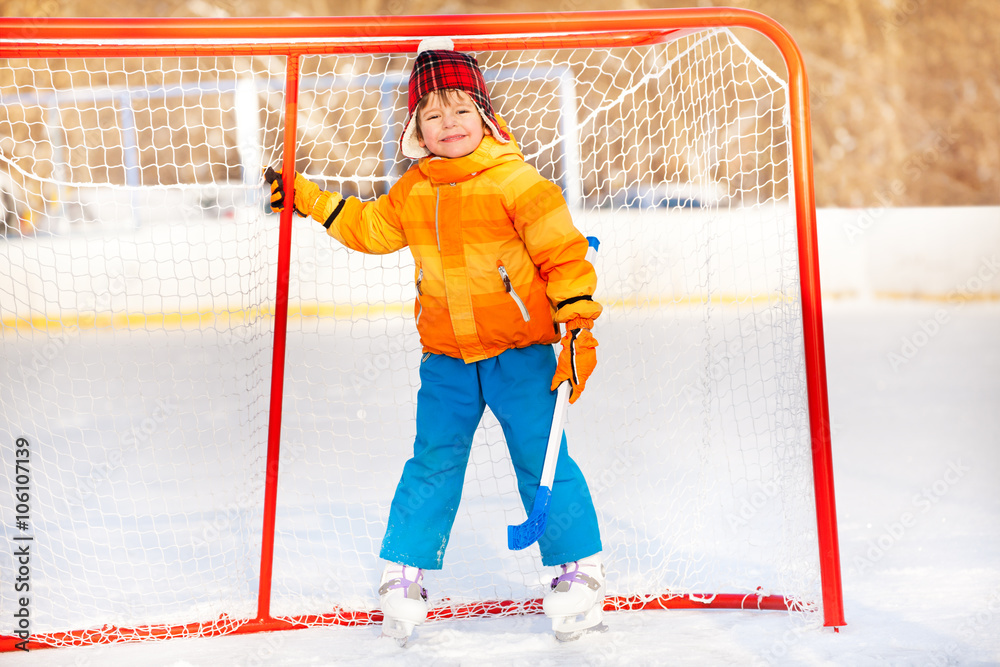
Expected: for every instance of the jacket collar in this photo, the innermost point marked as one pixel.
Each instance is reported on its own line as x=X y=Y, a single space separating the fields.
x=453 y=170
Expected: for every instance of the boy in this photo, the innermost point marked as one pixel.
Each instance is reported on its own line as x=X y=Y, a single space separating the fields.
x=499 y=266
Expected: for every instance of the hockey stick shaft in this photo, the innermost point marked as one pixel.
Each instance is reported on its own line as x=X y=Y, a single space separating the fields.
x=555 y=434
x=527 y=533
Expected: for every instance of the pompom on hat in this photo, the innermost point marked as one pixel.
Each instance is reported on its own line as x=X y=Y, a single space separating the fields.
x=440 y=67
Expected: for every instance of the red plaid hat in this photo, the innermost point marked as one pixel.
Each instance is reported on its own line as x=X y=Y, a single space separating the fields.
x=440 y=67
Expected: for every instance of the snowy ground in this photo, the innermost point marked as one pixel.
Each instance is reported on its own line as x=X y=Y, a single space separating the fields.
x=915 y=404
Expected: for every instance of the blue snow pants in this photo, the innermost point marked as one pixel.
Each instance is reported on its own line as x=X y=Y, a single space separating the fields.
x=450 y=403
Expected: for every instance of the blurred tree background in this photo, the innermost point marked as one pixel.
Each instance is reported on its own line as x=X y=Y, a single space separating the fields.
x=905 y=93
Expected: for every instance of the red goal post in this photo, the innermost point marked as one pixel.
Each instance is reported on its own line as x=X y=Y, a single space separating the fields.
x=295 y=38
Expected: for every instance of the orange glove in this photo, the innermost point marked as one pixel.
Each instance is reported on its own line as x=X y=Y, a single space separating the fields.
x=578 y=357
x=310 y=200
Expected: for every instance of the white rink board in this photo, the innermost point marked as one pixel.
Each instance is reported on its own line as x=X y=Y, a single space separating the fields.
x=897 y=252
x=137 y=270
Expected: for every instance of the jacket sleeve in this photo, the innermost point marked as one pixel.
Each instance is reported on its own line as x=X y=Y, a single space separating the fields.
x=371 y=227
x=556 y=247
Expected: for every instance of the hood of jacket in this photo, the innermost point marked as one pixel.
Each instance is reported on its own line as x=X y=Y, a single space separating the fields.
x=489 y=153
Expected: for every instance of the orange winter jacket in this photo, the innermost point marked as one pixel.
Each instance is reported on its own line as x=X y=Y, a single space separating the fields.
x=498 y=260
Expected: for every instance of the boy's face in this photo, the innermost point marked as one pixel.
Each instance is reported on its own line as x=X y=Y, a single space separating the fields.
x=450 y=124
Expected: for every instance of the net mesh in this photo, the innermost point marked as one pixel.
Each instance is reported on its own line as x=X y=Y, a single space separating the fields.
x=137 y=291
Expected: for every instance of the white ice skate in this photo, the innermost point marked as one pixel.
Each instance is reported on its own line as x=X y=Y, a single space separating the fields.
x=575 y=601
x=404 y=601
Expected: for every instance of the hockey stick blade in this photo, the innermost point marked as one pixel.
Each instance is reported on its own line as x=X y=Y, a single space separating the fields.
x=524 y=535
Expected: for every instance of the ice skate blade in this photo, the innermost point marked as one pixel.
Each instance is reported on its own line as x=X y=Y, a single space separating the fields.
x=397 y=630
x=400 y=641
x=568 y=628
x=576 y=634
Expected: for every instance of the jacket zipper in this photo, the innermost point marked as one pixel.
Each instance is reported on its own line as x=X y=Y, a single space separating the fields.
x=513 y=294
x=420 y=293
x=437 y=204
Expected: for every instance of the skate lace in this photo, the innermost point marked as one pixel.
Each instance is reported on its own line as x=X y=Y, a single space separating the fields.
x=574 y=576
x=404 y=583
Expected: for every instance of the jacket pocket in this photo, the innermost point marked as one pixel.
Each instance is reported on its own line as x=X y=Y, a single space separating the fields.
x=420 y=304
x=513 y=295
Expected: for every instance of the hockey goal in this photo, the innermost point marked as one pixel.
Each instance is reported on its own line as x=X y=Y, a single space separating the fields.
x=210 y=405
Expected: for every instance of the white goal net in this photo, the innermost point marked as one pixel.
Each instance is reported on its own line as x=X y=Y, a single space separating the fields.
x=138 y=286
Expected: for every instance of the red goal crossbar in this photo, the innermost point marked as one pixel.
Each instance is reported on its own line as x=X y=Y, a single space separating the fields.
x=40 y=38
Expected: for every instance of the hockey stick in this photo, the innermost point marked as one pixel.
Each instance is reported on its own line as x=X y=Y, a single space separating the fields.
x=524 y=535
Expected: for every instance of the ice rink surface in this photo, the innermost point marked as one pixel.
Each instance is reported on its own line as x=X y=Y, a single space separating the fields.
x=915 y=406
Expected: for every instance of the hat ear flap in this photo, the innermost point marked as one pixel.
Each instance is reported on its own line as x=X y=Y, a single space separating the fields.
x=409 y=145
x=499 y=132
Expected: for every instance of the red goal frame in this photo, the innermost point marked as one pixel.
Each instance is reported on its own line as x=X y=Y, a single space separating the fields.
x=49 y=37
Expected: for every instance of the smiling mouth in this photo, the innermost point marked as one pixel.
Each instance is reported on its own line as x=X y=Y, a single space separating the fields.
x=454 y=137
